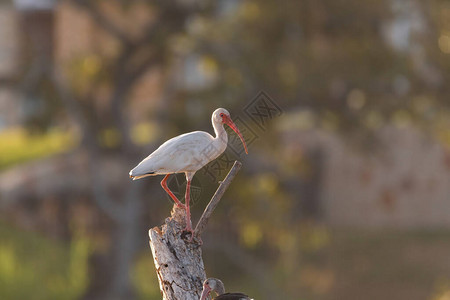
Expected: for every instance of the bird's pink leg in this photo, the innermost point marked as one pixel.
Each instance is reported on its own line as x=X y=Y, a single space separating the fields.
x=166 y=188
x=188 y=210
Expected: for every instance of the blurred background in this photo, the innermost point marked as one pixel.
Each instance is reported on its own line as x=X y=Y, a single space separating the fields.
x=345 y=193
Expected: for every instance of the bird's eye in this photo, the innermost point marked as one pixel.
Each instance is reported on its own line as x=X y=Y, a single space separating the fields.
x=221 y=114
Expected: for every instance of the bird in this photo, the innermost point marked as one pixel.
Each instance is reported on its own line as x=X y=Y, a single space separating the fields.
x=216 y=285
x=187 y=153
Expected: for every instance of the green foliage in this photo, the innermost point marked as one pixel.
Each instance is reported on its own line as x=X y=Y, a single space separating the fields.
x=144 y=277
x=18 y=146
x=34 y=267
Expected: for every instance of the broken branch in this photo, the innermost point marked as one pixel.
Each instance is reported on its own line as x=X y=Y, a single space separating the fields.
x=201 y=225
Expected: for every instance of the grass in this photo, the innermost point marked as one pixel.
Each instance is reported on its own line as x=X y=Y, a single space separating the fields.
x=18 y=146
x=35 y=267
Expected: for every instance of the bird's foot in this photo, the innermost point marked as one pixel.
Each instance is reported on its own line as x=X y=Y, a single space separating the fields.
x=193 y=238
x=187 y=231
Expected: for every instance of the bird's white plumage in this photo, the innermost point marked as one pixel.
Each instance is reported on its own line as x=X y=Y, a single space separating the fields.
x=186 y=153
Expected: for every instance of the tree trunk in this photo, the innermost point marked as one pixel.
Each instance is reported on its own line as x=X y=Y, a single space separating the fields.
x=178 y=261
x=125 y=248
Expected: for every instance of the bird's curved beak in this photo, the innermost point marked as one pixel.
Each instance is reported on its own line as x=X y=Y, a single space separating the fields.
x=233 y=126
x=205 y=293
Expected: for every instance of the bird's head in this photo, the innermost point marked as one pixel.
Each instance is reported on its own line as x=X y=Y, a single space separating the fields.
x=212 y=284
x=222 y=116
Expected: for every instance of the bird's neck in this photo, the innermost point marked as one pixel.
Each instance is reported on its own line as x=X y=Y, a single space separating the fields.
x=221 y=134
x=220 y=288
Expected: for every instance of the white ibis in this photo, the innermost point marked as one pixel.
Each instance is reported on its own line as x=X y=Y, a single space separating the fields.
x=216 y=285
x=187 y=153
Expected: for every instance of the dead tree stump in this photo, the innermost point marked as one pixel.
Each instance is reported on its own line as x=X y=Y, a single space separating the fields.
x=178 y=260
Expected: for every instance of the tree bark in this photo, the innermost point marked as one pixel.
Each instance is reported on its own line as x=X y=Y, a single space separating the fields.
x=178 y=261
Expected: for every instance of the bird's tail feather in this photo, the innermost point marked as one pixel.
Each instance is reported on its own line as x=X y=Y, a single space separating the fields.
x=142 y=176
x=135 y=175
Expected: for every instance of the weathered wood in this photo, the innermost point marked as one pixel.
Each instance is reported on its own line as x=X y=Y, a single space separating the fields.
x=178 y=260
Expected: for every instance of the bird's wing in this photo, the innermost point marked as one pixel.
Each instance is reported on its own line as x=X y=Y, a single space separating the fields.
x=179 y=154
